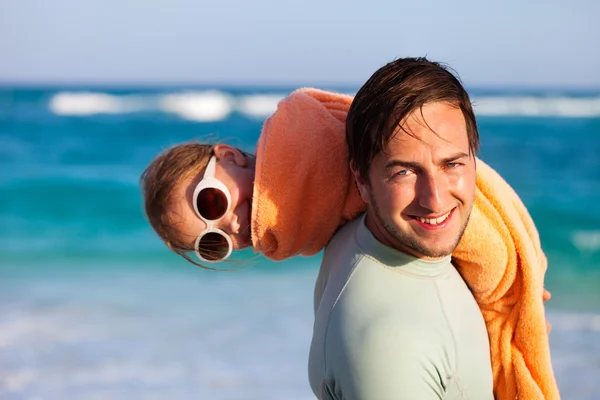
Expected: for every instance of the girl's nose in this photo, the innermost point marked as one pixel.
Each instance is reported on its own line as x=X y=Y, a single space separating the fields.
x=231 y=224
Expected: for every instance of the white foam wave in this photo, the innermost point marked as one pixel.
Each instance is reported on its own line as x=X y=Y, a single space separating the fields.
x=198 y=106
x=586 y=240
x=124 y=372
x=214 y=105
x=569 y=322
x=46 y=327
x=202 y=106
x=88 y=103
x=259 y=106
x=126 y=335
x=537 y=106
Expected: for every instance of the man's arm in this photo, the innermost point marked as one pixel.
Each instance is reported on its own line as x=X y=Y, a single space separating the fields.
x=386 y=361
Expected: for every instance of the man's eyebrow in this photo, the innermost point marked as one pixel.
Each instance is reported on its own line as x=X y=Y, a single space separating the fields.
x=400 y=163
x=453 y=157
x=414 y=165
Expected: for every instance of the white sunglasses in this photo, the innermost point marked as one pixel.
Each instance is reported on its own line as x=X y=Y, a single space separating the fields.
x=212 y=202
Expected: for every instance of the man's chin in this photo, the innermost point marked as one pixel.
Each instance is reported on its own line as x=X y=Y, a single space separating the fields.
x=437 y=253
x=436 y=248
x=429 y=250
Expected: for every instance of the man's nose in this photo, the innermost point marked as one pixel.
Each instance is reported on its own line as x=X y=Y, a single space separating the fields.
x=430 y=192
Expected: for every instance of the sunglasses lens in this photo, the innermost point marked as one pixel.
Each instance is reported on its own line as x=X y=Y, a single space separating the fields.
x=212 y=203
x=213 y=246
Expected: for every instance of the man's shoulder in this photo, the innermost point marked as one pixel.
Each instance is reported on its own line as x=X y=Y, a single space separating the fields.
x=342 y=251
x=339 y=261
x=344 y=236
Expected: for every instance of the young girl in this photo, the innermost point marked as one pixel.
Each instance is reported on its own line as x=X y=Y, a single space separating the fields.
x=198 y=198
x=287 y=199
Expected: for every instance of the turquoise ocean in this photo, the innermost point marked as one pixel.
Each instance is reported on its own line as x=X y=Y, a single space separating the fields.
x=94 y=306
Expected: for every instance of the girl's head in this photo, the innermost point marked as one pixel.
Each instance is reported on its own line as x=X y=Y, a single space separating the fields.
x=198 y=205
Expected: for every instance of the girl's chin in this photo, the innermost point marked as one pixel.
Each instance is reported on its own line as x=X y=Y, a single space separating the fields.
x=243 y=245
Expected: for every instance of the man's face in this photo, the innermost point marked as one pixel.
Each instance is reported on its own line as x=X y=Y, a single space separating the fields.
x=422 y=186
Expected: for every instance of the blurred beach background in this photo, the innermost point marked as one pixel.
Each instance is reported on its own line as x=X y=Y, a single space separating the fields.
x=94 y=306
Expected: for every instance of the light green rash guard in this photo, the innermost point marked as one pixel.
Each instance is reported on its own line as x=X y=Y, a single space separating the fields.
x=392 y=326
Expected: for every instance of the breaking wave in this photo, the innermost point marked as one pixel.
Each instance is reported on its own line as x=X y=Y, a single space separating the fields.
x=586 y=240
x=202 y=106
x=537 y=106
x=81 y=104
x=215 y=105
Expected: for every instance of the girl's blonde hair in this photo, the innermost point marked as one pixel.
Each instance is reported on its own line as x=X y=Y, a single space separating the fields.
x=158 y=182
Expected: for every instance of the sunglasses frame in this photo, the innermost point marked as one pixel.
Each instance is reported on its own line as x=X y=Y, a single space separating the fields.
x=209 y=181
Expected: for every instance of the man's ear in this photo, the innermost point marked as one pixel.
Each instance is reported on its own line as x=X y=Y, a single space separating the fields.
x=361 y=184
x=229 y=154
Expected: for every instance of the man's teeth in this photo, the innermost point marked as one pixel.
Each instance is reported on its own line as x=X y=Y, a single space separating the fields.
x=434 y=221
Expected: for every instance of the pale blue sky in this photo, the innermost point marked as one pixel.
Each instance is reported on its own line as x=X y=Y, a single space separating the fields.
x=500 y=43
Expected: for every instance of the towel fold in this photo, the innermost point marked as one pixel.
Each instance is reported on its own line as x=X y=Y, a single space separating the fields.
x=304 y=190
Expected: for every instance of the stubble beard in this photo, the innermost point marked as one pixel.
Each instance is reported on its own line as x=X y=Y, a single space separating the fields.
x=412 y=243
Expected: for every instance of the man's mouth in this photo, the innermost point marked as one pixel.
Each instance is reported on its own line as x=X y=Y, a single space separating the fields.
x=435 y=222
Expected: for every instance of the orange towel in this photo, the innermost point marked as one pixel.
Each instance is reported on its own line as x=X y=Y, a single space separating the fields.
x=304 y=191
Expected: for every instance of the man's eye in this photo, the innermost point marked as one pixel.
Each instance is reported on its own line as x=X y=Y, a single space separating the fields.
x=403 y=172
x=452 y=165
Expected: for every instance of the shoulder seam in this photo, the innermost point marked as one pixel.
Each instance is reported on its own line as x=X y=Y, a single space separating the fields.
x=454 y=344
x=333 y=307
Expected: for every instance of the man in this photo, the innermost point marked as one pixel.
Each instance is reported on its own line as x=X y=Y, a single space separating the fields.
x=393 y=318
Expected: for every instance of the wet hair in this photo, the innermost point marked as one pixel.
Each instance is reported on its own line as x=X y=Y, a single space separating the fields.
x=390 y=95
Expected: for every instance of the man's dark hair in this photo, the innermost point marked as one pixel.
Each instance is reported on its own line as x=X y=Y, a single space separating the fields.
x=391 y=94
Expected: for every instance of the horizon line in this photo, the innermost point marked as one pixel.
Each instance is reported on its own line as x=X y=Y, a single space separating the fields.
x=274 y=85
